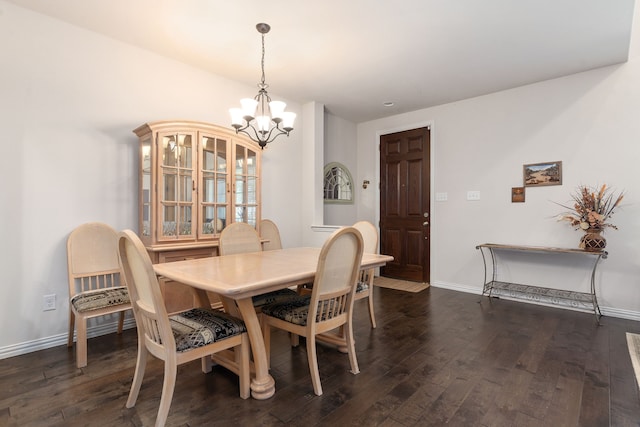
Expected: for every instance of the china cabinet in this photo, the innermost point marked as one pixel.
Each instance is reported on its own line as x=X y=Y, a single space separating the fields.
x=194 y=179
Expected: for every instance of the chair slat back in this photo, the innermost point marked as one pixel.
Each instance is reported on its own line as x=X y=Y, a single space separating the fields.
x=144 y=291
x=238 y=238
x=337 y=272
x=269 y=231
x=92 y=258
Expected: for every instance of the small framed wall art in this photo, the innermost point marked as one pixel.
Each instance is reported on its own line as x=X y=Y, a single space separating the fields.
x=540 y=174
x=517 y=194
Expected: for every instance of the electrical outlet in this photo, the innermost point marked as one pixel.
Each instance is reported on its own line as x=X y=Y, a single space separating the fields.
x=48 y=302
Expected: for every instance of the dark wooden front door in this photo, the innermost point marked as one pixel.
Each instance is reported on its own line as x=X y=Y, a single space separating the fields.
x=404 y=203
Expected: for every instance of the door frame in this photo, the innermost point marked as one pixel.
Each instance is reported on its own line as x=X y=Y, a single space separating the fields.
x=428 y=124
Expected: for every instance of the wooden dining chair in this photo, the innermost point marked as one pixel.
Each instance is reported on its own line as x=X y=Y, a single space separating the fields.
x=194 y=334
x=95 y=285
x=364 y=288
x=240 y=237
x=269 y=231
x=330 y=304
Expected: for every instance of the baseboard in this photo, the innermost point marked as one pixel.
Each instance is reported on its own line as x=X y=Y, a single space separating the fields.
x=606 y=311
x=61 y=339
x=456 y=287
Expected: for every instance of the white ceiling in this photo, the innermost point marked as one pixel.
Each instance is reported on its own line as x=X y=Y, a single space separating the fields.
x=354 y=55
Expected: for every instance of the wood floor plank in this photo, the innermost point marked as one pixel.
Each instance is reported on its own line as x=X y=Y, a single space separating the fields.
x=437 y=357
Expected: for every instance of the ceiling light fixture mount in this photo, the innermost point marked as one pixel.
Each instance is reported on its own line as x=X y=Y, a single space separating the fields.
x=260 y=118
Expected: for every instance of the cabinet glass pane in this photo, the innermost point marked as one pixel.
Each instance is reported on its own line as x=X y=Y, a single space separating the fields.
x=208 y=188
x=251 y=190
x=185 y=220
x=221 y=189
x=252 y=215
x=240 y=160
x=240 y=214
x=251 y=162
x=209 y=220
x=208 y=154
x=221 y=156
x=145 y=147
x=214 y=219
x=222 y=217
x=169 y=214
x=239 y=190
x=186 y=153
x=169 y=186
x=169 y=150
x=186 y=186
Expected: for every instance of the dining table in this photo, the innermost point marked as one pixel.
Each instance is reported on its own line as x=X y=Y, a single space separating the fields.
x=239 y=277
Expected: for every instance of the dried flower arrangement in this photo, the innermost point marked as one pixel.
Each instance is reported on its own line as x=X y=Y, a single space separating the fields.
x=592 y=208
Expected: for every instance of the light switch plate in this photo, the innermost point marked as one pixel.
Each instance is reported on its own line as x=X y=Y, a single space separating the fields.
x=473 y=195
x=441 y=197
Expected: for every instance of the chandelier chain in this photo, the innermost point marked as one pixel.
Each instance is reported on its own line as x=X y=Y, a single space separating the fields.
x=262 y=63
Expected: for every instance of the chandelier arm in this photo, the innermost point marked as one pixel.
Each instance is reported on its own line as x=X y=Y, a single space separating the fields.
x=271 y=135
x=252 y=134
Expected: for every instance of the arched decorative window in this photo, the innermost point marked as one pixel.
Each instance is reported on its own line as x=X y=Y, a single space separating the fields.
x=338 y=184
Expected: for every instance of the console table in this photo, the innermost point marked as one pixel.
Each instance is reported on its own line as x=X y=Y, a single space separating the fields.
x=577 y=300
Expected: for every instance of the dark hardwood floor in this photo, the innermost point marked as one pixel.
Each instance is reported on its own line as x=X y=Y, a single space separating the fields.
x=437 y=357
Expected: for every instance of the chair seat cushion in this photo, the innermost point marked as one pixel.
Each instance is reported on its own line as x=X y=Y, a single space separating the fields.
x=201 y=326
x=280 y=295
x=362 y=286
x=101 y=298
x=294 y=310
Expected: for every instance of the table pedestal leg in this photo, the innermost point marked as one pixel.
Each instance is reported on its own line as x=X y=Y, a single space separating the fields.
x=262 y=386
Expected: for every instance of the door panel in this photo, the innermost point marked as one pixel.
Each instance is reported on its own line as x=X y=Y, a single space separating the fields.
x=404 y=203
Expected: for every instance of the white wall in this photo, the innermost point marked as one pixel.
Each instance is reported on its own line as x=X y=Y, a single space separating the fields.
x=340 y=146
x=589 y=121
x=69 y=102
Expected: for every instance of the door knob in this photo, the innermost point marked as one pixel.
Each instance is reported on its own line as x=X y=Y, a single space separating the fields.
x=425 y=223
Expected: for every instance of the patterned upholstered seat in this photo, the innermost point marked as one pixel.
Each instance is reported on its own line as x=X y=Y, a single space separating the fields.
x=100 y=299
x=362 y=286
x=280 y=295
x=296 y=310
x=198 y=327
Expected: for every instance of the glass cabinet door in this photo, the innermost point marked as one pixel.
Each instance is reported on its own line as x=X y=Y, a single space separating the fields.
x=214 y=186
x=176 y=186
x=246 y=186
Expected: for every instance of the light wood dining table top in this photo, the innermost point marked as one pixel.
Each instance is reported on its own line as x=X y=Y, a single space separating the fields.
x=248 y=274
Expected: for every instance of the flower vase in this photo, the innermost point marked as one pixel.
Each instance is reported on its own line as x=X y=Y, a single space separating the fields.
x=592 y=241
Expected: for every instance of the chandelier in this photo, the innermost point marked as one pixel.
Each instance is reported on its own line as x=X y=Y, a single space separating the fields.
x=262 y=119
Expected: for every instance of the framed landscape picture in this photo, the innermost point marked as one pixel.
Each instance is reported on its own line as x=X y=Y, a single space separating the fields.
x=539 y=174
